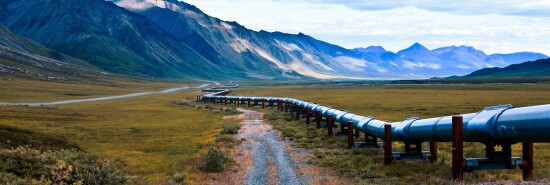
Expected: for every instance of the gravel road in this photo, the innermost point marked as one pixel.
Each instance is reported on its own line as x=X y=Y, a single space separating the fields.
x=270 y=161
x=104 y=98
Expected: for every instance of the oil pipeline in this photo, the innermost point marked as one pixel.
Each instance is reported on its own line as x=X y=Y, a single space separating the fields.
x=496 y=127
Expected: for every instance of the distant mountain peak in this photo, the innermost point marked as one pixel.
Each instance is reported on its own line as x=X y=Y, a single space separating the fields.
x=417 y=46
x=173 y=39
x=461 y=48
x=372 y=49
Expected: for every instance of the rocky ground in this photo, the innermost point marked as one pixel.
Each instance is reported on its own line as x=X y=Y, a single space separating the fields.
x=264 y=158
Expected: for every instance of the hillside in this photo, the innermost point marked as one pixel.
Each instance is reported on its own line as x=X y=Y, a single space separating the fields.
x=106 y=36
x=170 y=39
x=539 y=68
x=22 y=57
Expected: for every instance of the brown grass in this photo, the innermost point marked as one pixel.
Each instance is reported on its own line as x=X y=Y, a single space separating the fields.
x=396 y=103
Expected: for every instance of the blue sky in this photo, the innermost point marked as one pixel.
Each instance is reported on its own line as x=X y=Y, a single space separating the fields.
x=493 y=26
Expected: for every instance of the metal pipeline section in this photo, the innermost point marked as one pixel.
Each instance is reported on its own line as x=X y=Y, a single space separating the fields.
x=493 y=125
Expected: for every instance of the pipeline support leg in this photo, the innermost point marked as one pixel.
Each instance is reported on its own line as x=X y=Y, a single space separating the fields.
x=433 y=152
x=458 y=155
x=263 y=105
x=387 y=145
x=350 y=134
x=318 y=118
x=527 y=166
x=297 y=112
x=248 y=103
x=307 y=116
x=330 y=124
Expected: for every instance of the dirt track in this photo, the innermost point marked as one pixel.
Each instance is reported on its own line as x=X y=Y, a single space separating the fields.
x=267 y=160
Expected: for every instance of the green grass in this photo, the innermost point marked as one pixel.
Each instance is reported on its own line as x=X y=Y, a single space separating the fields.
x=158 y=139
x=395 y=103
x=151 y=135
x=11 y=138
x=18 y=90
x=28 y=157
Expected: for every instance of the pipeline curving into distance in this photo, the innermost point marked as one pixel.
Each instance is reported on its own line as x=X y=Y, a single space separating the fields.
x=493 y=125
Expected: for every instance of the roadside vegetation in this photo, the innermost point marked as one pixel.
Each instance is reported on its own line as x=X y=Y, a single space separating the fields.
x=157 y=141
x=27 y=157
x=20 y=90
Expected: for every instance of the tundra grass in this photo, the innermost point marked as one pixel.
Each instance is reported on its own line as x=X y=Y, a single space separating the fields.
x=149 y=134
x=395 y=103
x=19 y=90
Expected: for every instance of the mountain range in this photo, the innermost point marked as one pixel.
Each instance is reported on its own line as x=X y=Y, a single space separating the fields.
x=538 y=68
x=171 y=39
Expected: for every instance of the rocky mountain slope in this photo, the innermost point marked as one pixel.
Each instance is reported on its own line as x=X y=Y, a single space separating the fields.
x=172 y=39
x=106 y=36
x=22 y=57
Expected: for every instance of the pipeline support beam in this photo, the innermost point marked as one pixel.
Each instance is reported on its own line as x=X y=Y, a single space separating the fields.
x=350 y=134
x=433 y=152
x=527 y=164
x=458 y=155
x=387 y=145
x=330 y=123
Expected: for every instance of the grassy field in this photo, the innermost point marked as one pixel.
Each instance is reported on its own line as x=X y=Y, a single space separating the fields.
x=150 y=134
x=155 y=138
x=395 y=103
x=19 y=90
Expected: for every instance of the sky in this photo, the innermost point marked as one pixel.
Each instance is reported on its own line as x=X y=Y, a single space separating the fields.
x=502 y=26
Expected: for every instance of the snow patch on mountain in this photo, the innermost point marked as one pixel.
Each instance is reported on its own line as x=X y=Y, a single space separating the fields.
x=316 y=62
x=410 y=64
x=351 y=64
x=146 y=4
x=288 y=46
x=291 y=48
x=134 y=4
x=269 y=57
x=226 y=26
x=307 y=71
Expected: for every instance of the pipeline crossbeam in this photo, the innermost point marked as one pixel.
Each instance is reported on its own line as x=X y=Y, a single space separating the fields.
x=492 y=125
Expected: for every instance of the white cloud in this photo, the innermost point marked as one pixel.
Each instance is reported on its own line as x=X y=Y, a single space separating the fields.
x=466 y=7
x=395 y=26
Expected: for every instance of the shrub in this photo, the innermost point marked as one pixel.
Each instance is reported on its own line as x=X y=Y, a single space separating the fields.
x=215 y=160
x=10 y=178
x=231 y=129
x=58 y=167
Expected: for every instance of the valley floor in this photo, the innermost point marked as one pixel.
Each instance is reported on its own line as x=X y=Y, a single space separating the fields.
x=156 y=138
x=151 y=135
x=395 y=103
